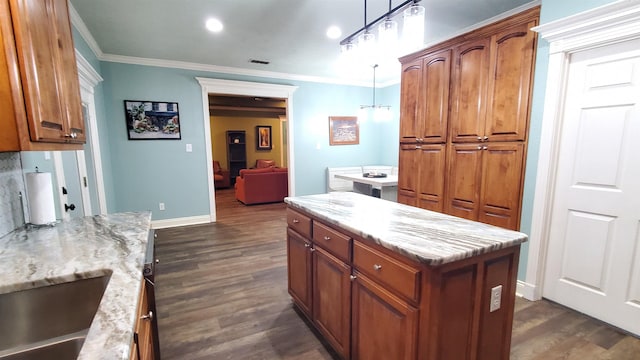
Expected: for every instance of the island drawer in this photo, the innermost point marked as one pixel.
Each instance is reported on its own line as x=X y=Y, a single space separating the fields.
x=396 y=275
x=336 y=243
x=300 y=223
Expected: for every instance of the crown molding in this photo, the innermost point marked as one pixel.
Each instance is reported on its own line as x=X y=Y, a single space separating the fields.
x=86 y=71
x=227 y=70
x=618 y=21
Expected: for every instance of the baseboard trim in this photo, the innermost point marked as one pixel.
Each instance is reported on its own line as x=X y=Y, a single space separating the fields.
x=527 y=291
x=169 y=223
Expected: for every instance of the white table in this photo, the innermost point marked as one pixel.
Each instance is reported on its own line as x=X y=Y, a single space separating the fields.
x=387 y=186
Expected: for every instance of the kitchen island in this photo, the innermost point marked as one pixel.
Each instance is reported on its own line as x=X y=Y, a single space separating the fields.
x=381 y=280
x=105 y=245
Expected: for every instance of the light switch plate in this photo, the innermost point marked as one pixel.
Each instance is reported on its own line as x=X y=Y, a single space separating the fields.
x=189 y=148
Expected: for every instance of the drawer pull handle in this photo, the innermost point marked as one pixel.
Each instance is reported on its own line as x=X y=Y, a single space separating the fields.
x=377 y=267
x=295 y=221
x=327 y=238
x=352 y=277
x=148 y=316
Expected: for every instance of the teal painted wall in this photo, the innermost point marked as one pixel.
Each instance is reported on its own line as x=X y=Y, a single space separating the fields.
x=551 y=10
x=145 y=173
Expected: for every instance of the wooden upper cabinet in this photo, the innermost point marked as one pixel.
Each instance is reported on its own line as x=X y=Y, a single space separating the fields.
x=432 y=162
x=409 y=101
x=68 y=67
x=510 y=82
x=435 y=97
x=468 y=91
x=501 y=189
x=42 y=76
x=464 y=176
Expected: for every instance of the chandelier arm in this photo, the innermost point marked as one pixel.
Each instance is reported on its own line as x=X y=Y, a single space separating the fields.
x=391 y=13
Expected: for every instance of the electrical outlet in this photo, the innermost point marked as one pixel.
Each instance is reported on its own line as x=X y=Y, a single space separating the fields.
x=189 y=148
x=496 y=298
x=161 y=206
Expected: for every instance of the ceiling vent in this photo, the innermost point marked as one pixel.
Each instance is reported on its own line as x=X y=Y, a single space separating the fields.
x=262 y=62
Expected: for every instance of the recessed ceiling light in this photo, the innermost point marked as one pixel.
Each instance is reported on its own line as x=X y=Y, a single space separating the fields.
x=333 y=32
x=214 y=25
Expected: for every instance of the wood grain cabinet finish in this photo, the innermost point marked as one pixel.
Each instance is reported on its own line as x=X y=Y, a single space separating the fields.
x=468 y=91
x=299 y=262
x=489 y=102
x=379 y=304
x=485 y=182
x=142 y=345
x=410 y=84
x=384 y=327
x=331 y=300
x=39 y=77
x=423 y=186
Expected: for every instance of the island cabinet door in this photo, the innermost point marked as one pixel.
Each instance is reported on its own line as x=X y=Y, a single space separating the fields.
x=332 y=300
x=383 y=326
x=299 y=270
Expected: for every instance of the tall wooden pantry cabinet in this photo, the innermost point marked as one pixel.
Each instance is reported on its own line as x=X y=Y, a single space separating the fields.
x=464 y=118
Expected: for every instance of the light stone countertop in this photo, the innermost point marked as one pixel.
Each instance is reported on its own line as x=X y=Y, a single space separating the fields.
x=85 y=248
x=428 y=237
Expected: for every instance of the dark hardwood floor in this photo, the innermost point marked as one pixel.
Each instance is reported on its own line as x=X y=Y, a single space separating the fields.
x=221 y=292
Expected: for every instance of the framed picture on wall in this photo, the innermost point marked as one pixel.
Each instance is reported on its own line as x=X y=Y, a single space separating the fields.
x=263 y=137
x=343 y=130
x=152 y=120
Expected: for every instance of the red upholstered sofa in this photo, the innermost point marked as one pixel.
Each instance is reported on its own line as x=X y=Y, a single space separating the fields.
x=265 y=185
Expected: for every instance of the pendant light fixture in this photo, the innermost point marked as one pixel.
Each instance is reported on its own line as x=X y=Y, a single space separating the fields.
x=380 y=112
x=363 y=41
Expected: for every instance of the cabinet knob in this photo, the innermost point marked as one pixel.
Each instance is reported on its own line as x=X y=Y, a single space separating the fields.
x=377 y=267
x=157 y=261
x=479 y=147
x=295 y=221
x=327 y=238
x=485 y=138
x=148 y=316
x=479 y=138
x=72 y=135
x=418 y=147
x=352 y=277
x=312 y=249
x=306 y=245
x=484 y=148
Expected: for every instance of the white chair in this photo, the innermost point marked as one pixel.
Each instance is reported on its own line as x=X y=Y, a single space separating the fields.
x=335 y=184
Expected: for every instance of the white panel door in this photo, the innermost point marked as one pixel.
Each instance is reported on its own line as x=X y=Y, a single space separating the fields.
x=593 y=259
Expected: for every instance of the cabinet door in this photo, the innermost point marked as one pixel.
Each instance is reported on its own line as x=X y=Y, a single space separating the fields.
x=509 y=94
x=69 y=83
x=468 y=92
x=36 y=43
x=463 y=183
x=435 y=97
x=409 y=101
x=501 y=193
x=332 y=300
x=383 y=326
x=143 y=337
x=431 y=161
x=408 y=174
x=299 y=270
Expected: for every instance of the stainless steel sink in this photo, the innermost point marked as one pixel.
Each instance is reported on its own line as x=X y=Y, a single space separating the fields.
x=49 y=322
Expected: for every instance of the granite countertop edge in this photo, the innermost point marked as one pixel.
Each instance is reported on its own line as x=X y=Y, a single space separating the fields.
x=427 y=237
x=112 y=244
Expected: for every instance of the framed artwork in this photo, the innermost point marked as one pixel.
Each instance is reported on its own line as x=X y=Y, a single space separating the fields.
x=152 y=120
x=343 y=130
x=263 y=137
